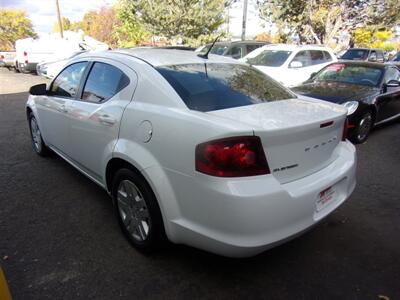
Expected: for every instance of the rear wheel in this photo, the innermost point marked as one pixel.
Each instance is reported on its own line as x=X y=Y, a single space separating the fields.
x=363 y=128
x=137 y=211
x=37 y=142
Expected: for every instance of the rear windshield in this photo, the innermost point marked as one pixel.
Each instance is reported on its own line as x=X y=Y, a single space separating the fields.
x=269 y=58
x=213 y=86
x=356 y=54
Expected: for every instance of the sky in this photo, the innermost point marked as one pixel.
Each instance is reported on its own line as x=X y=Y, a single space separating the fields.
x=43 y=12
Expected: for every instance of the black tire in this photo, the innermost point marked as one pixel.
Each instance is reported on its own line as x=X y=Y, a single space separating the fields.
x=16 y=70
x=363 y=128
x=155 y=237
x=38 y=144
x=23 y=70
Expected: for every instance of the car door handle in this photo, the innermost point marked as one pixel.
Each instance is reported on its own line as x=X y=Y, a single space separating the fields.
x=107 y=120
x=62 y=109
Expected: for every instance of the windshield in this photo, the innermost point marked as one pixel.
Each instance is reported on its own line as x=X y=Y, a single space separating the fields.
x=218 y=49
x=396 y=57
x=269 y=58
x=356 y=54
x=212 y=86
x=362 y=75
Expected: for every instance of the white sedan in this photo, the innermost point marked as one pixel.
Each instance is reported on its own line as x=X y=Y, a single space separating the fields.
x=291 y=65
x=51 y=68
x=206 y=152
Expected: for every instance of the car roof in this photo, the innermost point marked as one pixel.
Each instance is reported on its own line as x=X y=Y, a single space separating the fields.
x=164 y=57
x=290 y=47
x=239 y=42
x=364 y=49
x=361 y=63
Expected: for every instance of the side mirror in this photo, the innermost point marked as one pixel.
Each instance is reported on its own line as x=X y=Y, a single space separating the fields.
x=39 y=89
x=392 y=83
x=312 y=75
x=296 y=64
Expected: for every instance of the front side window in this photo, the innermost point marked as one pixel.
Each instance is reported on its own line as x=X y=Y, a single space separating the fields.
x=235 y=52
x=392 y=74
x=304 y=58
x=103 y=82
x=372 y=56
x=213 y=86
x=67 y=82
x=269 y=58
x=396 y=57
x=317 y=57
x=361 y=75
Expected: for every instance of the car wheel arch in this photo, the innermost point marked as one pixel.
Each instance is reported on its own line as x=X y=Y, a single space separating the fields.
x=156 y=179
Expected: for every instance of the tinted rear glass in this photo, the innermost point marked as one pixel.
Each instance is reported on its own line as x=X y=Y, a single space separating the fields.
x=396 y=57
x=213 y=86
x=356 y=54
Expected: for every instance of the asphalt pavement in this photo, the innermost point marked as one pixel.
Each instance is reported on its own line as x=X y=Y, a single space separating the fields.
x=59 y=238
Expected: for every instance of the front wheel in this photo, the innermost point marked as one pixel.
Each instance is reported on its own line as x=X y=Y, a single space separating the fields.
x=137 y=211
x=37 y=142
x=363 y=128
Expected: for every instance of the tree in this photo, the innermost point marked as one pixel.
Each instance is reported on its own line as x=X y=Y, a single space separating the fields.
x=320 y=21
x=189 y=20
x=14 y=25
x=65 y=22
x=101 y=25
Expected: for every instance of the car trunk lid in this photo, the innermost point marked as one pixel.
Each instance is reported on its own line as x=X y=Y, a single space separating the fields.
x=299 y=136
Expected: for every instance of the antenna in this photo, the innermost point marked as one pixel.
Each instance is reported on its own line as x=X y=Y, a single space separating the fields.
x=205 y=55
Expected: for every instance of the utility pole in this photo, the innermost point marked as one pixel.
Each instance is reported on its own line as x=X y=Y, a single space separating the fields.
x=59 y=19
x=244 y=20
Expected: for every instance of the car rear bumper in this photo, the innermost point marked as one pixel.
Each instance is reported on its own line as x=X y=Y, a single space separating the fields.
x=246 y=216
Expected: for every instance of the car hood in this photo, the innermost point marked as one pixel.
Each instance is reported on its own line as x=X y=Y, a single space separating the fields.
x=336 y=92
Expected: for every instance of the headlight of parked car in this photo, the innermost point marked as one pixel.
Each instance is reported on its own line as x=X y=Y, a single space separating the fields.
x=351 y=106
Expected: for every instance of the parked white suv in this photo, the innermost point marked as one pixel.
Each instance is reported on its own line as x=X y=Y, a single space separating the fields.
x=207 y=152
x=291 y=65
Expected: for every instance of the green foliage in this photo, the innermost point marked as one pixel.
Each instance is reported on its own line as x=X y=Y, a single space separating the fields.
x=367 y=37
x=131 y=30
x=320 y=21
x=65 y=22
x=362 y=37
x=188 y=20
x=14 y=25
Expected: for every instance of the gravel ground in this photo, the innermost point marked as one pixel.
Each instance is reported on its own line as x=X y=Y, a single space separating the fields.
x=60 y=240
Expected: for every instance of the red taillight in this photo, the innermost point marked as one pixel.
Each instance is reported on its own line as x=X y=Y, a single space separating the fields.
x=232 y=157
x=1 y=56
x=345 y=129
x=25 y=53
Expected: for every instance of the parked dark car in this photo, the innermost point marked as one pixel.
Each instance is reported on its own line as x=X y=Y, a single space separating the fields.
x=370 y=91
x=235 y=50
x=364 y=54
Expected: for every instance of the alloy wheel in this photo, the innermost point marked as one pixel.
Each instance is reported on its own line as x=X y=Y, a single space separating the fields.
x=133 y=210
x=36 y=135
x=364 y=126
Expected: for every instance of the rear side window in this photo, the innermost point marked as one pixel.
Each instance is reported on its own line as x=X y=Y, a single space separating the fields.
x=67 y=82
x=214 y=86
x=103 y=82
x=252 y=47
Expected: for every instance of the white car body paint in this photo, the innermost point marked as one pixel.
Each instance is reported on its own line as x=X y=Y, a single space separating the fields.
x=285 y=74
x=235 y=217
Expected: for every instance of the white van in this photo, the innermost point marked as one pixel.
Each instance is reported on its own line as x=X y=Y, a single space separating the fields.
x=30 y=52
